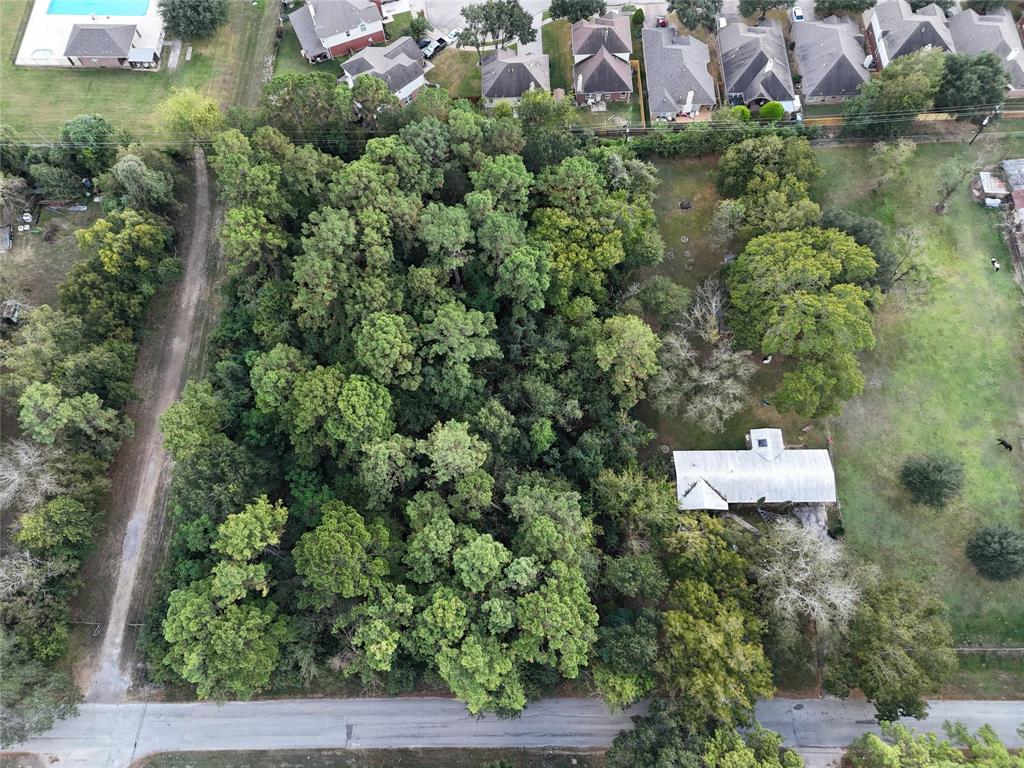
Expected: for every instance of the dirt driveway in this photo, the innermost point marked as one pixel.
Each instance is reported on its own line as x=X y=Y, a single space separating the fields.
x=118 y=575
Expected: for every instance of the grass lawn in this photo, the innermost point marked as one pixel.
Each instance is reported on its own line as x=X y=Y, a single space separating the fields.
x=457 y=72
x=290 y=59
x=376 y=758
x=228 y=66
x=945 y=376
x=397 y=27
x=689 y=264
x=556 y=42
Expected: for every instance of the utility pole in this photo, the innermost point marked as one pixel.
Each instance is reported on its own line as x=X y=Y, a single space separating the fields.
x=984 y=124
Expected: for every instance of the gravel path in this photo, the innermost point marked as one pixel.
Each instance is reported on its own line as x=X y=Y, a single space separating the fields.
x=141 y=472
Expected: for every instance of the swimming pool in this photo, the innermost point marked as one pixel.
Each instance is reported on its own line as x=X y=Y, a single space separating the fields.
x=98 y=7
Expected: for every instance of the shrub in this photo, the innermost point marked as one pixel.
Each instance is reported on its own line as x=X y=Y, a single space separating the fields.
x=932 y=479
x=772 y=111
x=741 y=112
x=638 y=18
x=997 y=551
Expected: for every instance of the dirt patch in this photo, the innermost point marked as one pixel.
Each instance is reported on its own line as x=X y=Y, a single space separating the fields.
x=376 y=758
x=118 y=574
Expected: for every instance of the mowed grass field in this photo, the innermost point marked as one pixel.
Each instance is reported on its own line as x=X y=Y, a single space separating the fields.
x=946 y=376
x=228 y=66
x=457 y=72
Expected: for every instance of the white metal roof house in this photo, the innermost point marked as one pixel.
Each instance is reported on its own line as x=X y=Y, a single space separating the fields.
x=767 y=472
x=109 y=34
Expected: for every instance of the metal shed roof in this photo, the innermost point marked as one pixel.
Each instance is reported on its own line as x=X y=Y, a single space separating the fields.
x=768 y=470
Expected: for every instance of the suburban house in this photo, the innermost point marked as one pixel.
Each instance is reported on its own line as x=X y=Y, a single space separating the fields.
x=600 y=51
x=679 y=83
x=831 y=59
x=60 y=34
x=400 y=65
x=506 y=75
x=895 y=29
x=766 y=473
x=328 y=29
x=755 y=66
x=995 y=31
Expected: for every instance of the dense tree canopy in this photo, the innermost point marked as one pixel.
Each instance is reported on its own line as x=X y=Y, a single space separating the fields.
x=193 y=19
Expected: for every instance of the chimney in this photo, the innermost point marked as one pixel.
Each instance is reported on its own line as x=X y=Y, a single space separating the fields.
x=769 y=65
x=579 y=83
x=689 y=103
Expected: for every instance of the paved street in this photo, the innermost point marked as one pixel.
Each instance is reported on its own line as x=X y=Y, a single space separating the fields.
x=110 y=736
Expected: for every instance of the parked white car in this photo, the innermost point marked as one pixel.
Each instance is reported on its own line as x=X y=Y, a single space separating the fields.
x=452 y=38
x=798 y=15
x=431 y=48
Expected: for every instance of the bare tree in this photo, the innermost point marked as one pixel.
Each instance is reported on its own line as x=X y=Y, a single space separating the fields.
x=21 y=573
x=888 y=158
x=811 y=588
x=705 y=311
x=27 y=475
x=709 y=391
x=13 y=195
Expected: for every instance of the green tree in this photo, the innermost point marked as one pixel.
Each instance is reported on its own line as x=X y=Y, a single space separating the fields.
x=244 y=535
x=479 y=562
x=342 y=556
x=628 y=352
x=373 y=100
x=576 y=10
x=696 y=14
x=898 y=649
x=772 y=110
x=88 y=145
x=55 y=183
x=748 y=159
x=888 y=159
x=712 y=666
x=60 y=527
x=972 y=85
x=829 y=7
x=385 y=349
x=189 y=114
x=452 y=451
x=307 y=104
x=750 y=7
x=227 y=652
x=48 y=417
x=193 y=19
x=193 y=420
x=900 y=747
x=905 y=87
x=130 y=183
x=932 y=479
x=418 y=27
x=33 y=695
x=800 y=293
x=481 y=672
x=997 y=551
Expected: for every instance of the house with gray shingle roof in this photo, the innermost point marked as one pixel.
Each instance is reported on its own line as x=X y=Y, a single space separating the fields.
x=678 y=79
x=830 y=57
x=995 y=31
x=400 y=65
x=895 y=29
x=329 y=29
x=601 y=49
x=755 y=66
x=505 y=76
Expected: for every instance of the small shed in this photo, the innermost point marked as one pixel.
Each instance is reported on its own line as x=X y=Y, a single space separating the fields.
x=1013 y=170
x=992 y=186
x=10 y=312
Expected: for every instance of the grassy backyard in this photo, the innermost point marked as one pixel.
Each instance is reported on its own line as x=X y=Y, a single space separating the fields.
x=290 y=58
x=229 y=66
x=689 y=263
x=557 y=44
x=457 y=72
x=945 y=377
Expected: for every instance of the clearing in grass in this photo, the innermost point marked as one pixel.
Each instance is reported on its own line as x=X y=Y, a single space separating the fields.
x=457 y=72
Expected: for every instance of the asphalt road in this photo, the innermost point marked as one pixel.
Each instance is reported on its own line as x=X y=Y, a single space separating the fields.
x=112 y=735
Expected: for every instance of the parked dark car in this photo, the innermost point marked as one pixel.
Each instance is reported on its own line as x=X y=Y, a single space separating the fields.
x=423 y=43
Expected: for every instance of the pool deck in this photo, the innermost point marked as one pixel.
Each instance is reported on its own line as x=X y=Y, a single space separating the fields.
x=47 y=34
